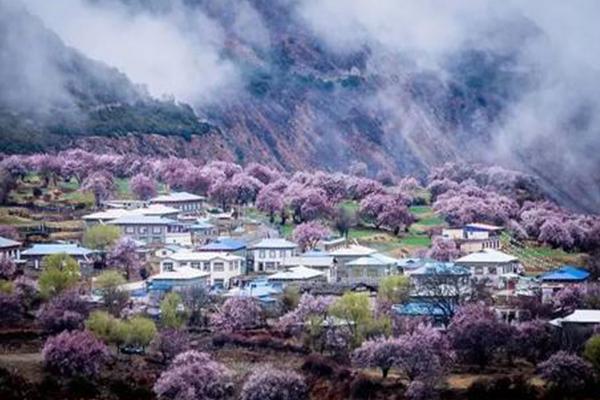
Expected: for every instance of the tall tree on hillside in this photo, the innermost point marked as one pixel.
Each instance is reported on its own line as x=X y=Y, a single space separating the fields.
x=143 y=187
x=308 y=235
x=100 y=184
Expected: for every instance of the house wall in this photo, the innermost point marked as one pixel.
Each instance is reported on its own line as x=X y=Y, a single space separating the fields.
x=13 y=253
x=184 y=206
x=368 y=274
x=490 y=271
x=145 y=233
x=269 y=260
x=221 y=271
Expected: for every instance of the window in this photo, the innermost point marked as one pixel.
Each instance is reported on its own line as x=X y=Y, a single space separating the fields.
x=206 y=266
x=232 y=265
x=218 y=267
x=478 y=270
x=357 y=272
x=492 y=270
x=156 y=239
x=168 y=266
x=272 y=254
x=261 y=254
x=157 y=229
x=143 y=229
x=129 y=229
x=372 y=273
x=196 y=265
x=282 y=253
x=270 y=265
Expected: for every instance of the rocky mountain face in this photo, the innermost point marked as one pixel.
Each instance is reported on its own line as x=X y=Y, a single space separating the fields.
x=301 y=105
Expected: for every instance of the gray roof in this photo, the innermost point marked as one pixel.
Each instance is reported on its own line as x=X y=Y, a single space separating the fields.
x=373 y=260
x=50 y=249
x=176 y=197
x=142 y=220
x=5 y=242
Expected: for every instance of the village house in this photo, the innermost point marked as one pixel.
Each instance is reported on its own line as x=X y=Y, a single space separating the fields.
x=475 y=237
x=183 y=201
x=576 y=327
x=222 y=268
x=10 y=248
x=34 y=255
x=322 y=263
x=269 y=254
x=147 y=229
x=349 y=253
x=367 y=269
x=489 y=264
x=153 y=210
x=178 y=279
x=557 y=279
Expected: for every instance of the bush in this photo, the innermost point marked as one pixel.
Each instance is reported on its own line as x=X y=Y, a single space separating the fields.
x=64 y=312
x=501 y=388
x=170 y=315
x=269 y=383
x=566 y=373
x=319 y=366
x=592 y=351
x=76 y=353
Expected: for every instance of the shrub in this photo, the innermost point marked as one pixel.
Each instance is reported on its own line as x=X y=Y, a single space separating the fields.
x=64 y=312
x=566 y=373
x=237 y=313
x=268 y=383
x=76 y=353
x=170 y=316
x=61 y=272
x=592 y=351
x=194 y=375
x=170 y=342
x=318 y=365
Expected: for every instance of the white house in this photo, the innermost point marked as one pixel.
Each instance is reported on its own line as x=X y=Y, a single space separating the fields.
x=489 y=263
x=475 y=237
x=322 y=263
x=222 y=267
x=368 y=269
x=270 y=254
x=352 y=252
x=148 y=229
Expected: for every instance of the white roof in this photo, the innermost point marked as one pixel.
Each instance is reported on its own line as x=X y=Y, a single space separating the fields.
x=374 y=260
x=201 y=256
x=313 y=261
x=184 y=273
x=275 y=243
x=354 y=250
x=486 y=227
x=579 y=317
x=296 y=274
x=112 y=213
x=142 y=220
x=175 y=197
x=487 y=256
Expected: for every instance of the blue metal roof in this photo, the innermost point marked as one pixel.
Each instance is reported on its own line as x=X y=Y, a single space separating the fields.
x=225 y=244
x=566 y=273
x=48 y=249
x=415 y=309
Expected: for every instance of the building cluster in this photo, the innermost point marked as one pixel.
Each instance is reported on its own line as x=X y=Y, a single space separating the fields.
x=188 y=245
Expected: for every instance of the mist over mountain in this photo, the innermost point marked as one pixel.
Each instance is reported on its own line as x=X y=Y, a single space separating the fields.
x=312 y=83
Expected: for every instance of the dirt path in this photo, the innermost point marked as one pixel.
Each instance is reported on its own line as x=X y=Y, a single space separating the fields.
x=29 y=365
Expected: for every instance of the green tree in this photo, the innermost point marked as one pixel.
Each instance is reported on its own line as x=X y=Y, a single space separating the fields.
x=103 y=325
x=592 y=351
x=61 y=272
x=139 y=332
x=354 y=309
x=114 y=297
x=101 y=237
x=170 y=314
x=394 y=289
x=290 y=298
x=6 y=287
